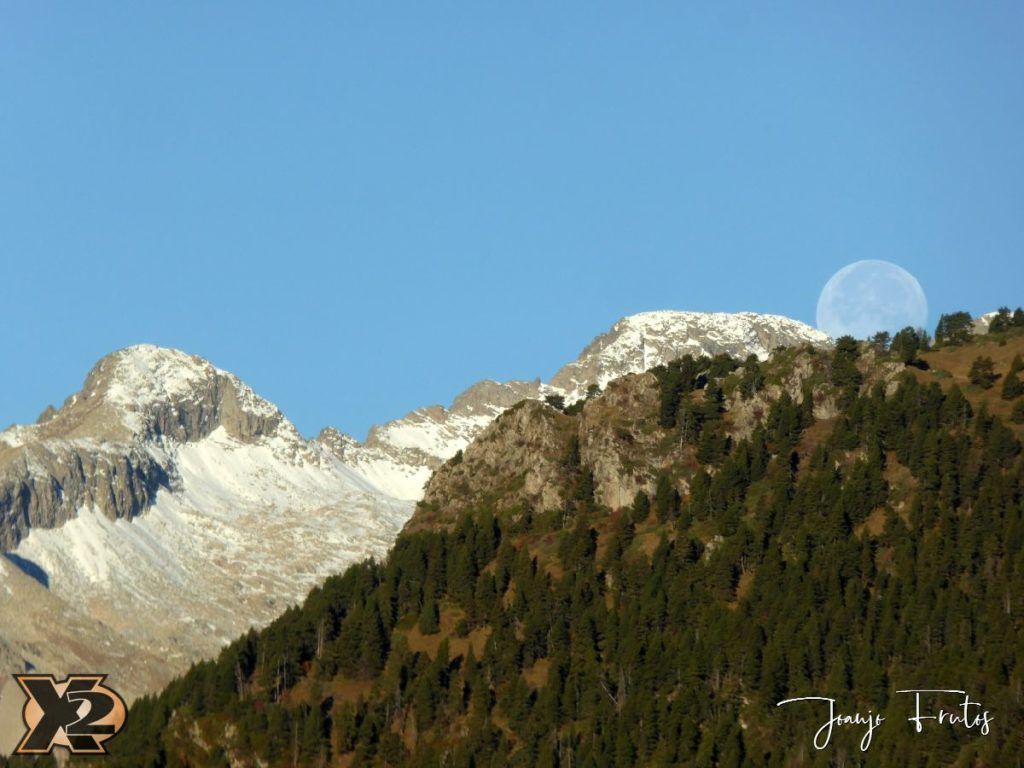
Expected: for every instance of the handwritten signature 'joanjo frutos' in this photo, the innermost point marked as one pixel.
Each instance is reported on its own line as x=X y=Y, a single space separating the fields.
x=966 y=714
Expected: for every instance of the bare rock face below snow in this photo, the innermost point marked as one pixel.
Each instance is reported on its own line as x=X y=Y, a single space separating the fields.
x=161 y=512
x=400 y=456
x=522 y=459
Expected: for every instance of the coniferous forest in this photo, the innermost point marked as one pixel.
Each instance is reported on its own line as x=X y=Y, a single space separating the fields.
x=863 y=534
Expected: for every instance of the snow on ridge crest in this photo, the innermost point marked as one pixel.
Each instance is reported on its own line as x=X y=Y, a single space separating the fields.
x=187 y=509
x=146 y=374
x=720 y=326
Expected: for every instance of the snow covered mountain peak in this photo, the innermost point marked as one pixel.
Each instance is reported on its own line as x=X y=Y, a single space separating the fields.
x=150 y=390
x=728 y=327
x=145 y=373
x=114 y=445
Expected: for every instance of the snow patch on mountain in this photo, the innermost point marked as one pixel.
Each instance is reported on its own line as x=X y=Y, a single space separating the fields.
x=249 y=529
x=162 y=511
x=402 y=472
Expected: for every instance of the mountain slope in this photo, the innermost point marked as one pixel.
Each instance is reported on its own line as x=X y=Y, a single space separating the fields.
x=166 y=507
x=400 y=455
x=163 y=510
x=787 y=547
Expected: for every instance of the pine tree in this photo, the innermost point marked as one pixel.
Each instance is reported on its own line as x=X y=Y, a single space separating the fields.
x=429 y=623
x=844 y=363
x=666 y=499
x=1003 y=321
x=880 y=341
x=753 y=378
x=954 y=328
x=982 y=373
x=312 y=744
x=1013 y=387
x=1017 y=414
x=555 y=401
x=374 y=641
x=690 y=420
x=905 y=345
x=641 y=507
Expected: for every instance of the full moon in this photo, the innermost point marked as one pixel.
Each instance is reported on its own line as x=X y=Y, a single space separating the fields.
x=870 y=296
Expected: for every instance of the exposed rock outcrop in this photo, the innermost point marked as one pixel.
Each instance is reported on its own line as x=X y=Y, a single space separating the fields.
x=523 y=458
x=518 y=460
x=45 y=485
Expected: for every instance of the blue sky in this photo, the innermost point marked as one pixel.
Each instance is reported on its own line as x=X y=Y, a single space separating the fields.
x=364 y=209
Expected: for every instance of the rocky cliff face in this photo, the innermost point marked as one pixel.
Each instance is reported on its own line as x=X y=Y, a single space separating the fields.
x=157 y=393
x=519 y=459
x=400 y=455
x=44 y=485
x=523 y=459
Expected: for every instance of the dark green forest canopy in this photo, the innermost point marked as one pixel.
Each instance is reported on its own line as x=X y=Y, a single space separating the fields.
x=849 y=557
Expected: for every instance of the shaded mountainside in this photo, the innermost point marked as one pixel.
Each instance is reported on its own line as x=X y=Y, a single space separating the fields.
x=825 y=523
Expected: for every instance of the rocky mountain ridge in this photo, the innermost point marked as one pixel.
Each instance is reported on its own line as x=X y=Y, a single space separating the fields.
x=109 y=447
x=400 y=456
x=522 y=460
